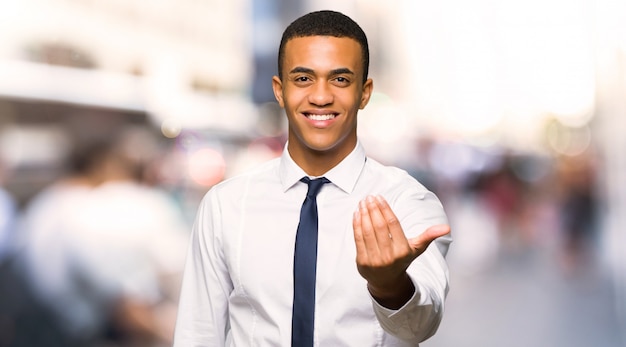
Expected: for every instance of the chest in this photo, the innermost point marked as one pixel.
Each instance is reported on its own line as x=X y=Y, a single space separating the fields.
x=260 y=239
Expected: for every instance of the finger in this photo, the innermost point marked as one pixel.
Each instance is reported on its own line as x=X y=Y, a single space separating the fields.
x=381 y=229
x=421 y=242
x=393 y=225
x=361 y=251
x=367 y=230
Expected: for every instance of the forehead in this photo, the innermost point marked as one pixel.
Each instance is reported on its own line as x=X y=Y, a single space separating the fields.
x=322 y=51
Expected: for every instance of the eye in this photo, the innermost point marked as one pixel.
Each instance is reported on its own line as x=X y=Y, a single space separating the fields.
x=302 y=80
x=341 y=81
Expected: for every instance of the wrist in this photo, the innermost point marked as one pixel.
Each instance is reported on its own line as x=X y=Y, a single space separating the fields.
x=395 y=294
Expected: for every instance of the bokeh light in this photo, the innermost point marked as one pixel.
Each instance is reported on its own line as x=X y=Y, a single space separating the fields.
x=206 y=166
x=171 y=128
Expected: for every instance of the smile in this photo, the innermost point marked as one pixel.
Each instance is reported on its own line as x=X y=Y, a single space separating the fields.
x=320 y=117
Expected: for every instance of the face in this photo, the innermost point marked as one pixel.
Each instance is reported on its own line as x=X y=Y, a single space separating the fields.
x=321 y=91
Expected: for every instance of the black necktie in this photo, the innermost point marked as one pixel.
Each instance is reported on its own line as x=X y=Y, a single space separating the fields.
x=304 y=267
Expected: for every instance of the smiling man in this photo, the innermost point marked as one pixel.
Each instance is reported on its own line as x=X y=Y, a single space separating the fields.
x=322 y=246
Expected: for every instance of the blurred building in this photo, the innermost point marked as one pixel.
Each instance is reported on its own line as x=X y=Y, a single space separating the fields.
x=196 y=72
x=74 y=70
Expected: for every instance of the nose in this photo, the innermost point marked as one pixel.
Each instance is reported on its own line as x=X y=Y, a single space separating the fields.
x=321 y=94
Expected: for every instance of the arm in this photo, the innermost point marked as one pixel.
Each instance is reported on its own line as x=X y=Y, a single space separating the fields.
x=406 y=278
x=203 y=307
x=141 y=321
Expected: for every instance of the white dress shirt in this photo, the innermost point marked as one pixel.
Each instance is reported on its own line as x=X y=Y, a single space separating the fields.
x=238 y=281
x=86 y=248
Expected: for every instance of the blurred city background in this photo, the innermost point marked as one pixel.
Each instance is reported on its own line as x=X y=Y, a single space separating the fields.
x=116 y=116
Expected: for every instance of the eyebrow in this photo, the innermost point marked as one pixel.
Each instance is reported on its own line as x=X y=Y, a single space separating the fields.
x=300 y=69
x=339 y=71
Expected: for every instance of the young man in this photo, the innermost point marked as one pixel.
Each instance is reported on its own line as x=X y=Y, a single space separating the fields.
x=376 y=281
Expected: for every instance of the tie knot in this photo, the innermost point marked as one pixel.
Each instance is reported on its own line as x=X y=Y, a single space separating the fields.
x=314 y=185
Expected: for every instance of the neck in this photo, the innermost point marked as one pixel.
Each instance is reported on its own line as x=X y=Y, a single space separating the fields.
x=317 y=163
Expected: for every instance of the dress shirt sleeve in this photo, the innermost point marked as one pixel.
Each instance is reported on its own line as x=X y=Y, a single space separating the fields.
x=418 y=209
x=203 y=307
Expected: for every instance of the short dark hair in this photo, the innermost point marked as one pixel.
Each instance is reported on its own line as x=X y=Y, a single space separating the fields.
x=325 y=23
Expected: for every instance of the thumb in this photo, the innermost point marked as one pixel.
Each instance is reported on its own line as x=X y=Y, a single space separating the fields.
x=421 y=242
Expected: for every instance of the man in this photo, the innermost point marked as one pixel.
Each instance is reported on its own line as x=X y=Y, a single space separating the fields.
x=102 y=250
x=243 y=279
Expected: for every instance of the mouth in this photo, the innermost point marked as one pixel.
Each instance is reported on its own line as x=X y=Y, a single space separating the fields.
x=320 y=117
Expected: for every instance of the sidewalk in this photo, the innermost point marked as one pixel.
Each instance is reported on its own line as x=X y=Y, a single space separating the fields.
x=526 y=299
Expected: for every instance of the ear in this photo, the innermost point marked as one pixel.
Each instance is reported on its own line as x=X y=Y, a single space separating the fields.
x=366 y=93
x=277 y=86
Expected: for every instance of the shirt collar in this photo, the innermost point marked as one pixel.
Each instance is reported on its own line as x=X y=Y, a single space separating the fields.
x=344 y=175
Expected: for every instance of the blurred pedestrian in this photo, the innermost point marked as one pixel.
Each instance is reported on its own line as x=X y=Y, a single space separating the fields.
x=8 y=212
x=246 y=284
x=578 y=210
x=102 y=248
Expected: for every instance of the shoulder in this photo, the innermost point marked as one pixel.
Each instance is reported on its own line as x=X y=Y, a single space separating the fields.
x=57 y=199
x=391 y=176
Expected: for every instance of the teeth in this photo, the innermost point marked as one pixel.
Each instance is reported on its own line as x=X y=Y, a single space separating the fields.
x=321 y=116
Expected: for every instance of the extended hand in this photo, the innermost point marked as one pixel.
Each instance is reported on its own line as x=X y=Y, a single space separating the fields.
x=383 y=253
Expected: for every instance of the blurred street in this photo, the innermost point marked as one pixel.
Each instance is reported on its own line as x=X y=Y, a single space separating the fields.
x=116 y=117
x=527 y=299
